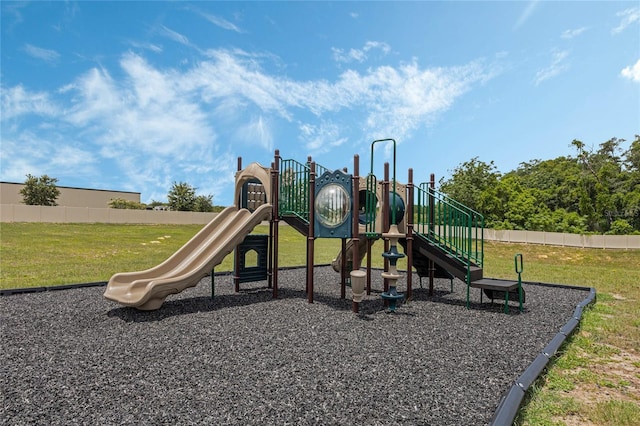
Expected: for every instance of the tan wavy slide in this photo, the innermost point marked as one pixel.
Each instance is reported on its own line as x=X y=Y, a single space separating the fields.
x=147 y=289
x=336 y=264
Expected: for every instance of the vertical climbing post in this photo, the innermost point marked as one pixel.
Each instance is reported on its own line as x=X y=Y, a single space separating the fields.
x=385 y=221
x=310 y=236
x=431 y=213
x=369 y=243
x=236 y=252
x=409 y=235
x=270 y=248
x=391 y=234
x=358 y=277
x=275 y=172
x=355 y=234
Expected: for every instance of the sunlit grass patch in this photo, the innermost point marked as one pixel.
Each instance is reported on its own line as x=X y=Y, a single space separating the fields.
x=615 y=413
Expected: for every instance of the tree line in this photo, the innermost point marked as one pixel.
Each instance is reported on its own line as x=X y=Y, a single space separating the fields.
x=595 y=191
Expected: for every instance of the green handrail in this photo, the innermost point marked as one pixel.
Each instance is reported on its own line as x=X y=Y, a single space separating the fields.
x=294 y=188
x=454 y=227
x=370 y=206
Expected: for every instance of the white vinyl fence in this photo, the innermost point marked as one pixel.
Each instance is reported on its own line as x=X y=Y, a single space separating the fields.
x=60 y=214
x=562 y=239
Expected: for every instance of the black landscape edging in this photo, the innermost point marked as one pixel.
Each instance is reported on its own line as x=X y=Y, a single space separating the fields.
x=25 y=290
x=510 y=403
x=12 y=291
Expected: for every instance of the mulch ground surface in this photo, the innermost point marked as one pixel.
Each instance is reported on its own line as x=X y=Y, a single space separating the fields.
x=73 y=357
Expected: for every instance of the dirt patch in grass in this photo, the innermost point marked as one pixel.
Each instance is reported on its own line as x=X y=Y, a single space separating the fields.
x=617 y=379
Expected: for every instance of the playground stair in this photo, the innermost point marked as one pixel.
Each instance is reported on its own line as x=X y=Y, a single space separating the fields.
x=450 y=235
x=446 y=265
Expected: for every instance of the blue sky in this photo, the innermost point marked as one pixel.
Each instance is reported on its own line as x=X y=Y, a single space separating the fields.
x=134 y=96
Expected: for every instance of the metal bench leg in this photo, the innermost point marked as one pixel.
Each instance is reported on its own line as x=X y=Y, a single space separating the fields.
x=520 y=297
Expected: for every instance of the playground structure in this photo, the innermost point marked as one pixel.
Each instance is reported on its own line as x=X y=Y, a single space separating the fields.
x=441 y=237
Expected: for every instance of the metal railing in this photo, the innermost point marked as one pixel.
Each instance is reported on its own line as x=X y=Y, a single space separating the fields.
x=294 y=187
x=370 y=206
x=454 y=227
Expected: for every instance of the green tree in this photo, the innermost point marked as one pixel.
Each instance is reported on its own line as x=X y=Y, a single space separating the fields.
x=556 y=180
x=40 y=191
x=182 y=197
x=203 y=203
x=469 y=181
x=603 y=183
x=596 y=191
x=620 y=227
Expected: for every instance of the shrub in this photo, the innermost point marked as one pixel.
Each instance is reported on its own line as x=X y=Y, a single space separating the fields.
x=119 y=203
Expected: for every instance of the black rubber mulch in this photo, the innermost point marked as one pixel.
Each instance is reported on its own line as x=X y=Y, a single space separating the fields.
x=72 y=357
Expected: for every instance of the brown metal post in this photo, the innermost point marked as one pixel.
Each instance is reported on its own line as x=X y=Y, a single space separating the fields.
x=431 y=202
x=270 y=248
x=236 y=252
x=310 y=236
x=409 y=221
x=343 y=268
x=369 y=244
x=355 y=233
x=275 y=219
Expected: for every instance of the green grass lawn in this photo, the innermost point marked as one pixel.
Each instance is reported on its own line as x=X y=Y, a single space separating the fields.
x=595 y=380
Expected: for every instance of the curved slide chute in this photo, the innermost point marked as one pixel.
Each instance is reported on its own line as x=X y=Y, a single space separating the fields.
x=336 y=264
x=147 y=290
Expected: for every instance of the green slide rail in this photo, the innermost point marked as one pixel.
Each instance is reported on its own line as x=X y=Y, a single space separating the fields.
x=450 y=225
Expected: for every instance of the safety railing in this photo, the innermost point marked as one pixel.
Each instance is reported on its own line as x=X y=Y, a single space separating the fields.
x=369 y=210
x=294 y=187
x=454 y=227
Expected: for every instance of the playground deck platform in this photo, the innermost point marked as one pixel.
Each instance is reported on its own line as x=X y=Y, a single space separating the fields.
x=73 y=357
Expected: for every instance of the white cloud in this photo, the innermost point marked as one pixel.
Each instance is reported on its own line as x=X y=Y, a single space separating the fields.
x=257 y=131
x=629 y=16
x=40 y=153
x=145 y=122
x=148 y=46
x=558 y=66
x=17 y=101
x=359 y=55
x=526 y=14
x=321 y=138
x=76 y=160
x=569 y=34
x=220 y=22
x=175 y=36
x=155 y=125
x=632 y=72
x=47 y=55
